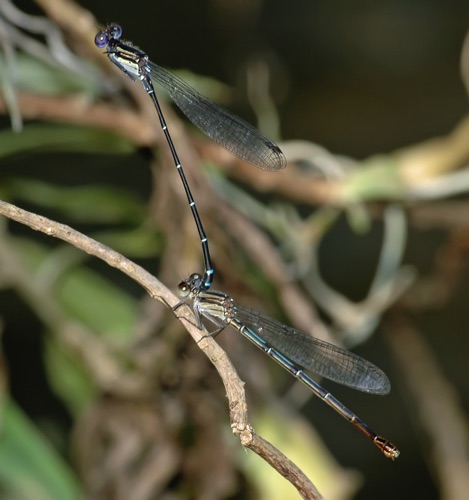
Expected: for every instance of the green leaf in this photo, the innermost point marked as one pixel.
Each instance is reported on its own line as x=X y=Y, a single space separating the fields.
x=30 y=469
x=68 y=377
x=97 y=204
x=68 y=138
x=99 y=303
x=141 y=242
x=83 y=294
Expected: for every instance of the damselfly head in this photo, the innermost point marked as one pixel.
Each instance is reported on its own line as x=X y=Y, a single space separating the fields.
x=112 y=32
x=192 y=284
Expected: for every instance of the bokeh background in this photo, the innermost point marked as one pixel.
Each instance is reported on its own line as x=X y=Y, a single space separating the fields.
x=364 y=86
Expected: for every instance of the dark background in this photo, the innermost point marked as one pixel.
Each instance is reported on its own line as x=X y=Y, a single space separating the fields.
x=359 y=78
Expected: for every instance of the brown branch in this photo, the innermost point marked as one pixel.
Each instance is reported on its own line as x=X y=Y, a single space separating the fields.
x=280 y=463
x=291 y=182
x=434 y=157
x=79 y=110
x=233 y=385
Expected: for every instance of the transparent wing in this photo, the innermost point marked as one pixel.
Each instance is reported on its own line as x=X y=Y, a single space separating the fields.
x=225 y=128
x=315 y=355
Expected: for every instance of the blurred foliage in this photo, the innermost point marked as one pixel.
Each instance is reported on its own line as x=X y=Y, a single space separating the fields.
x=80 y=203
x=54 y=138
x=44 y=77
x=29 y=466
x=180 y=430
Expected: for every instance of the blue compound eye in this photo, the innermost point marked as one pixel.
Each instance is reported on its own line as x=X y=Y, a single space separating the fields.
x=115 y=31
x=101 y=39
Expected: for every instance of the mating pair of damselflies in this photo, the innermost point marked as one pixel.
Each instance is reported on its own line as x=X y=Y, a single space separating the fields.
x=291 y=348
